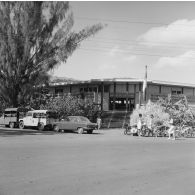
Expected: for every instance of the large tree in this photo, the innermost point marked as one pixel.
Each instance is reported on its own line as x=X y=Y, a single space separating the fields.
x=34 y=38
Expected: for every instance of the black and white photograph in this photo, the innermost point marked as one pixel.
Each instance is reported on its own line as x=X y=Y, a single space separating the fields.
x=97 y=97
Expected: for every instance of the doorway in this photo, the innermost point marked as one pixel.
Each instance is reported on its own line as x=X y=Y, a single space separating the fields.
x=121 y=103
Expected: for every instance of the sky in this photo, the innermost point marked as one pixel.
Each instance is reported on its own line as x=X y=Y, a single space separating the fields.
x=158 y=34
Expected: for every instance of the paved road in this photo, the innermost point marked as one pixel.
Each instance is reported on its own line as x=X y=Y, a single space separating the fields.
x=106 y=163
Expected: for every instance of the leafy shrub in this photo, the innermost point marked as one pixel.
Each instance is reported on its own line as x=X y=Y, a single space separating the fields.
x=158 y=111
x=178 y=110
x=71 y=105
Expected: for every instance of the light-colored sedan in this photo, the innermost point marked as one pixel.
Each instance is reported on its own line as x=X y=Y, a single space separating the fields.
x=75 y=123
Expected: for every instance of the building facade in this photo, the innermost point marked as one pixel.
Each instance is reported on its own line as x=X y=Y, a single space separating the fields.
x=122 y=94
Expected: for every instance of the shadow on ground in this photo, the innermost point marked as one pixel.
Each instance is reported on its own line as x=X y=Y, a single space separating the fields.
x=19 y=132
x=16 y=132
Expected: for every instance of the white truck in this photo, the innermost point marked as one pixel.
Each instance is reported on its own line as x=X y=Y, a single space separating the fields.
x=41 y=119
x=11 y=117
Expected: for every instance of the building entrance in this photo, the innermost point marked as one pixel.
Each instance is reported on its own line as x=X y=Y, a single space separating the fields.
x=120 y=103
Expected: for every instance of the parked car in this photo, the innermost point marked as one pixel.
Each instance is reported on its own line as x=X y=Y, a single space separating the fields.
x=75 y=123
x=41 y=119
x=11 y=116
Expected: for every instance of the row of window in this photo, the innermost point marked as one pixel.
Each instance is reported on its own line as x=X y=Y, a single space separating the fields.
x=86 y=89
x=176 y=92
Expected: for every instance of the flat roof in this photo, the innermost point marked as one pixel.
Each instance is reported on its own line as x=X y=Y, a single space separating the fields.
x=125 y=80
x=40 y=111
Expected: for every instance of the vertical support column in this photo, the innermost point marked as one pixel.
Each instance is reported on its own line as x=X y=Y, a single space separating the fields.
x=97 y=94
x=127 y=96
x=140 y=88
x=160 y=89
x=114 y=97
x=102 y=96
x=135 y=96
x=70 y=88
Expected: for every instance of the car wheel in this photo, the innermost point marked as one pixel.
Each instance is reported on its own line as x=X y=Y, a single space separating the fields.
x=80 y=130
x=40 y=126
x=11 y=125
x=90 y=131
x=21 y=125
x=56 y=128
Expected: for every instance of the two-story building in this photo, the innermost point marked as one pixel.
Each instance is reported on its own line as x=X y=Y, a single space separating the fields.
x=122 y=94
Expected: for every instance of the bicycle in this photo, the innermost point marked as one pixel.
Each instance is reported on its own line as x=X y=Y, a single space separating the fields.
x=130 y=130
x=160 y=131
x=127 y=129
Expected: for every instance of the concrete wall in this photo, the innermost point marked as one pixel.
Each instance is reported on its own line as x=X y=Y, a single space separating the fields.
x=106 y=101
x=165 y=90
x=121 y=88
x=188 y=91
x=112 y=88
x=52 y=90
x=66 y=89
x=131 y=88
x=75 y=89
x=153 y=89
x=137 y=88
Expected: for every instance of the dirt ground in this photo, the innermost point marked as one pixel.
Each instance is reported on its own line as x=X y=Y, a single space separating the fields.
x=106 y=163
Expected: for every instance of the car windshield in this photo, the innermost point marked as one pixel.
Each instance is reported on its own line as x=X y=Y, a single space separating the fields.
x=78 y=119
x=84 y=119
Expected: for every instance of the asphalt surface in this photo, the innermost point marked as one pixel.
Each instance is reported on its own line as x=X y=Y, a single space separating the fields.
x=106 y=162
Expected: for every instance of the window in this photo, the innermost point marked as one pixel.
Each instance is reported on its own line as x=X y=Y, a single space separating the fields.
x=7 y=114
x=29 y=114
x=10 y=114
x=176 y=92
x=39 y=115
x=13 y=114
x=58 y=91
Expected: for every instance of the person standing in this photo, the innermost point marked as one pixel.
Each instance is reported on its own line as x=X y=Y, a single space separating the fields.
x=99 y=122
x=171 y=130
x=139 y=124
x=150 y=125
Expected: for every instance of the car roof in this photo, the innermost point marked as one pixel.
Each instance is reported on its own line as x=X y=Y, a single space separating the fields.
x=20 y=109
x=11 y=109
x=76 y=116
x=40 y=111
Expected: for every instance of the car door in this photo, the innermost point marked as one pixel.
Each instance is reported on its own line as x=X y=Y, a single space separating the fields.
x=2 y=120
x=72 y=123
x=28 y=119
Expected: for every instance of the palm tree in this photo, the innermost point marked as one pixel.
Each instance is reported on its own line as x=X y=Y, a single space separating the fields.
x=34 y=38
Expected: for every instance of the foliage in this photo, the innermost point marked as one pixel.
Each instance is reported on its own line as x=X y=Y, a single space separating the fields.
x=66 y=105
x=3 y=105
x=175 y=107
x=178 y=110
x=70 y=105
x=90 y=110
x=35 y=37
x=158 y=111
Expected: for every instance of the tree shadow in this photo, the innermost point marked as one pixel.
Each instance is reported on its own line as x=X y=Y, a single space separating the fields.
x=7 y=132
x=19 y=132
